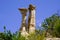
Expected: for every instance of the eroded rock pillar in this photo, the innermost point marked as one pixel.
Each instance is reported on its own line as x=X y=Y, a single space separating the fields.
x=31 y=19
x=23 y=26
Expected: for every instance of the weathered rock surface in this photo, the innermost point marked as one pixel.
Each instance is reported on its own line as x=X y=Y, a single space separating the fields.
x=52 y=39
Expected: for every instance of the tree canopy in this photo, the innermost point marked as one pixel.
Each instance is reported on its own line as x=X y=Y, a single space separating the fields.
x=52 y=25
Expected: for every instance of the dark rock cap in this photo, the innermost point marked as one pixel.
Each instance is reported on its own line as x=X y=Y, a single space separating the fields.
x=31 y=7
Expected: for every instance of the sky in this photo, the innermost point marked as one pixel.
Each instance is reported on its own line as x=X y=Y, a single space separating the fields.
x=11 y=17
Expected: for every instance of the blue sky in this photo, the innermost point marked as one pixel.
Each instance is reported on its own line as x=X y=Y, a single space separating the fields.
x=11 y=17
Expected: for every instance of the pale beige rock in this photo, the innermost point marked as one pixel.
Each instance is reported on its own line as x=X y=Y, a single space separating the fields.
x=31 y=20
x=24 y=33
x=23 y=26
x=30 y=27
x=52 y=39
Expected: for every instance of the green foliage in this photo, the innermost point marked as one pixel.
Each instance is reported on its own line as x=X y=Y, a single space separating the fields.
x=7 y=35
x=37 y=36
x=52 y=25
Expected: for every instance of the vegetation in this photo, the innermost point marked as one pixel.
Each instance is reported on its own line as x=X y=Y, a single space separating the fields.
x=7 y=35
x=52 y=25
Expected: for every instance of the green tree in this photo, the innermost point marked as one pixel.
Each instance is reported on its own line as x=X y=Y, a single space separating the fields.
x=6 y=35
x=52 y=25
